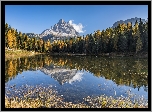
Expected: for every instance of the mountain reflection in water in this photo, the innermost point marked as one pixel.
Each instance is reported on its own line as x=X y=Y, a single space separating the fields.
x=81 y=74
x=62 y=75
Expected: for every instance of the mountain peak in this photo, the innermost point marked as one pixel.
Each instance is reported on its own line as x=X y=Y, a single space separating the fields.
x=61 y=29
x=61 y=21
x=132 y=20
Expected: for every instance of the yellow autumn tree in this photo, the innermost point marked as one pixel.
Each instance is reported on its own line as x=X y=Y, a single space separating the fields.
x=10 y=68
x=48 y=45
x=14 y=38
x=10 y=39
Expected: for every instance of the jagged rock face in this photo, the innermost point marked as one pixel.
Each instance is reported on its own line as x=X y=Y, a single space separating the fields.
x=133 y=20
x=60 y=74
x=32 y=35
x=61 y=29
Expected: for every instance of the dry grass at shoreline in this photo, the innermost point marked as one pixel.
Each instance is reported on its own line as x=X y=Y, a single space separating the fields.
x=18 y=53
x=10 y=53
x=41 y=97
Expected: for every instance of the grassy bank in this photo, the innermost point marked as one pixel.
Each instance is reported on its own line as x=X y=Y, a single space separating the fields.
x=41 y=97
x=10 y=53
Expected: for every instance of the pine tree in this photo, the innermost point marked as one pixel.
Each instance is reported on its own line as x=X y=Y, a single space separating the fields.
x=41 y=45
x=48 y=45
x=145 y=33
x=139 y=45
x=136 y=37
x=17 y=39
x=30 y=44
x=123 y=38
x=6 y=31
x=20 y=40
x=129 y=37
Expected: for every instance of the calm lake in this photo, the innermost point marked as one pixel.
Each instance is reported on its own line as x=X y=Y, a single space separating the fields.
x=76 y=77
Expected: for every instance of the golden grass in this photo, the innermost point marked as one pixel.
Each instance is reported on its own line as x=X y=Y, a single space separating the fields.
x=18 y=53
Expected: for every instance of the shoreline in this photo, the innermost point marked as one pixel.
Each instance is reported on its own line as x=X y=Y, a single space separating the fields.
x=13 y=54
x=141 y=55
x=50 y=99
x=10 y=53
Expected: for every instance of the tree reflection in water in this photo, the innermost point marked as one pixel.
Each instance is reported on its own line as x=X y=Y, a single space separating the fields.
x=123 y=71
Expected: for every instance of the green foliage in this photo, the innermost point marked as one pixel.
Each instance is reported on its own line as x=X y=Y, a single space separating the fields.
x=124 y=39
x=122 y=71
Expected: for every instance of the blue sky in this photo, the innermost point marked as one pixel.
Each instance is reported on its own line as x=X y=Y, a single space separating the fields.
x=86 y=18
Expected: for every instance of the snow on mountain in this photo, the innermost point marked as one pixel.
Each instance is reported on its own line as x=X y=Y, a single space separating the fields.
x=133 y=20
x=62 y=75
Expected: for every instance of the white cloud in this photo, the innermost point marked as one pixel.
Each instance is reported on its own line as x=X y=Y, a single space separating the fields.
x=78 y=27
x=77 y=77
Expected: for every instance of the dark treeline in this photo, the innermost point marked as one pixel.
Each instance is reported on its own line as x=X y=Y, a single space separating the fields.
x=124 y=38
x=124 y=71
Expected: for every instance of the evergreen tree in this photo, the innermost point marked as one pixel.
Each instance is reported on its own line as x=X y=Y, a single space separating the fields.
x=139 y=45
x=20 y=40
x=123 y=38
x=48 y=45
x=6 y=31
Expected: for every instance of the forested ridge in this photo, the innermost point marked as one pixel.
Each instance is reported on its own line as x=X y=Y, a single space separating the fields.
x=124 y=38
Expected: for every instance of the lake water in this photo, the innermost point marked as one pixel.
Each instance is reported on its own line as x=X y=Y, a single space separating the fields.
x=76 y=77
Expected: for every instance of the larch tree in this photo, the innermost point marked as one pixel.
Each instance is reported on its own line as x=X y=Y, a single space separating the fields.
x=10 y=39
x=14 y=38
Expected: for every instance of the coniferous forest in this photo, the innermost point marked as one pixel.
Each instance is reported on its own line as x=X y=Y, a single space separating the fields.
x=125 y=38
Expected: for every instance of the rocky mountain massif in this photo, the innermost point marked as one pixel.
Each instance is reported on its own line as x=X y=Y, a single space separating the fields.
x=58 y=31
x=133 y=20
x=63 y=30
x=61 y=74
